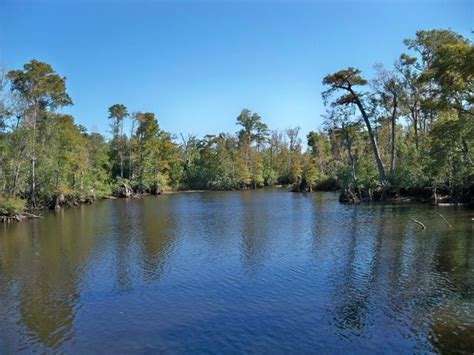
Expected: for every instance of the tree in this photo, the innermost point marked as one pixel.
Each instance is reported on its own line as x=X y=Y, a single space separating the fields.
x=98 y=176
x=415 y=118
x=168 y=162
x=451 y=165
x=311 y=173
x=346 y=80
x=5 y=109
x=147 y=137
x=320 y=148
x=346 y=132
x=41 y=89
x=70 y=155
x=389 y=90
x=118 y=113
x=253 y=130
x=295 y=141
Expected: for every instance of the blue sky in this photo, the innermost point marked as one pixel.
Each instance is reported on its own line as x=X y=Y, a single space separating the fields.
x=196 y=64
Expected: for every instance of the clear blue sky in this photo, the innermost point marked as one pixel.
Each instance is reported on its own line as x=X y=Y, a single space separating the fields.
x=196 y=64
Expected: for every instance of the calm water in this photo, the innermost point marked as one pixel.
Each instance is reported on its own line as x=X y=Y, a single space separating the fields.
x=232 y=272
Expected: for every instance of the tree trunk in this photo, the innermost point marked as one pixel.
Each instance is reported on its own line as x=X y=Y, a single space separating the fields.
x=121 y=162
x=392 y=148
x=33 y=181
x=130 y=165
x=82 y=182
x=373 y=140
x=33 y=158
x=74 y=181
x=414 y=119
x=121 y=148
x=416 y=135
x=351 y=156
x=15 y=179
x=57 y=179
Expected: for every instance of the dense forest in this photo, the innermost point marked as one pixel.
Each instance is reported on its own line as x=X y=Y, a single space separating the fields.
x=407 y=132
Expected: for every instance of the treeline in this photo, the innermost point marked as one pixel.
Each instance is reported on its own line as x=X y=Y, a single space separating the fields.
x=47 y=160
x=149 y=159
x=409 y=131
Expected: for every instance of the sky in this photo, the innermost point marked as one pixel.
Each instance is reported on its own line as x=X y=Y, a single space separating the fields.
x=197 y=64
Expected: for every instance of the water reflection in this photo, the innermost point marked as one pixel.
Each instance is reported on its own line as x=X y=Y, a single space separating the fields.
x=41 y=263
x=159 y=223
x=350 y=303
x=255 y=234
x=238 y=271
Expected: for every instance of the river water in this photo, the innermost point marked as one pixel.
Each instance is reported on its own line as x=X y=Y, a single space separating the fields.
x=232 y=272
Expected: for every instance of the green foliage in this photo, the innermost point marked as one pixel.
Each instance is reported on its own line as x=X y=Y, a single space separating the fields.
x=450 y=151
x=11 y=206
x=118 y=113
x=97 y=179
x=410 y=128
x=39 y=86
x=418 y=120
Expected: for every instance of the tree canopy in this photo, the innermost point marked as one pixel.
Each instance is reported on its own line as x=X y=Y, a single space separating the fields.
x=407 y=131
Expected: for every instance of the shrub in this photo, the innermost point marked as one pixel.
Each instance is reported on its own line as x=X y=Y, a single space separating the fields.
x=10 y=206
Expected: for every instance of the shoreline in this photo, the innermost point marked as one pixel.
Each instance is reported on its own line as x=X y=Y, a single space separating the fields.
x=31 y=213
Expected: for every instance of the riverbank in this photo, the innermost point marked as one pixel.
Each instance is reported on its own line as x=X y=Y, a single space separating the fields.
x=395 y=195
x=17 y=210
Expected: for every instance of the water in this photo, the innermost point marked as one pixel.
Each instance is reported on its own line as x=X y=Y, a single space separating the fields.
x=255 y=271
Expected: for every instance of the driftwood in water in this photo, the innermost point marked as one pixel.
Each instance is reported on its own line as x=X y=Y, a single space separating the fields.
x=348 y=196
x=17 y=217
x=30 y=215
x=444 y=219
x=418 y=222
x=122 y=190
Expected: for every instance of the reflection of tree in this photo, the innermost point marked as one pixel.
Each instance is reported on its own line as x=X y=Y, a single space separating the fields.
x=44 y=259
x=452 y=329
x=158 y=237
x=395 y=274
x=455 y=250
x=255 y=230
x=395 y=264
x=352 y=301
x=348 y=309
x=253 y=242
x=127 y=218
x=49 y=315
x=380 y=269
x=323 y=220
x=143 y=237
x=453 y=334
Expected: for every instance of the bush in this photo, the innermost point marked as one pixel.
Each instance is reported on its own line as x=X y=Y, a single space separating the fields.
x=10 y=206
x=122 y=188
x=328 y=184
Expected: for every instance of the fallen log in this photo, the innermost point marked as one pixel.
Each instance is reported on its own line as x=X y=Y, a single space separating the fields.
x=30 y=215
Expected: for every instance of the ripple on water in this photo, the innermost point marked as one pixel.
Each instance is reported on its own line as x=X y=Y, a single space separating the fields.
x=238 y=272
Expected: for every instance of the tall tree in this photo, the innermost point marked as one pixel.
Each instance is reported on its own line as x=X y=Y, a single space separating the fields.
x=346 y=80
x=253 y=130
x=389 y=92
x=147 y=137
x=118 y=113
x=41 y=89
